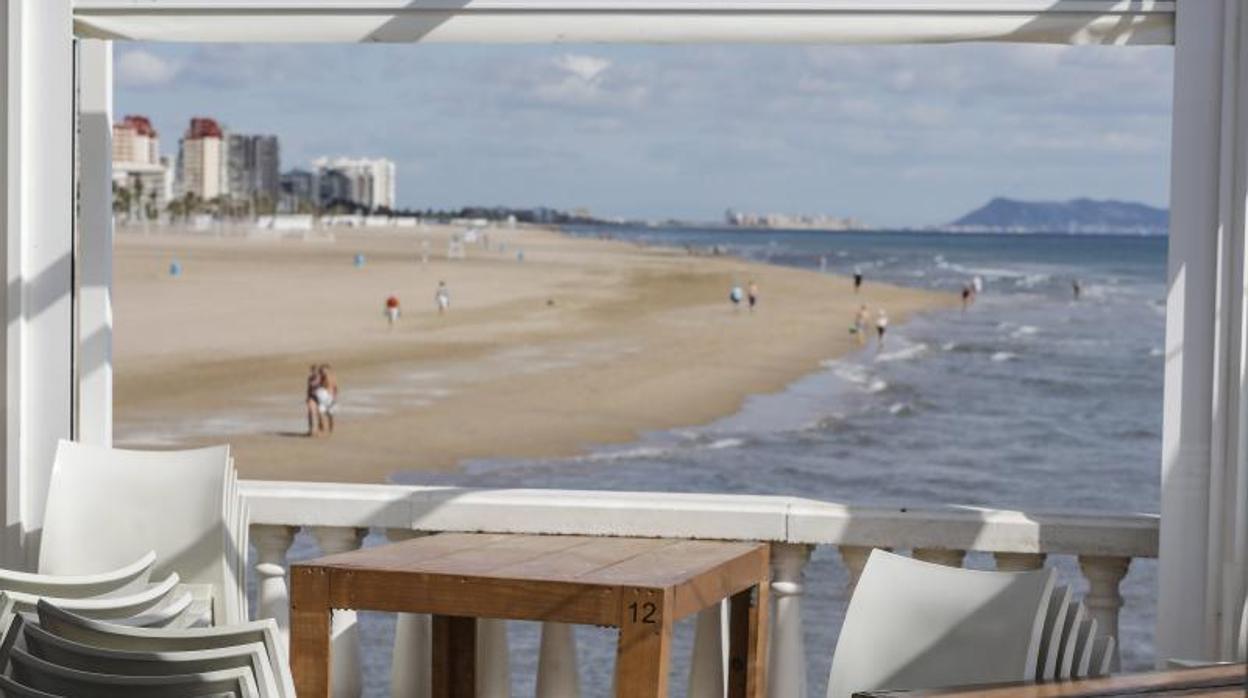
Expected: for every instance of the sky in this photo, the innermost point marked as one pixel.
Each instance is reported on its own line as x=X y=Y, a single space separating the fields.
x=891 y=135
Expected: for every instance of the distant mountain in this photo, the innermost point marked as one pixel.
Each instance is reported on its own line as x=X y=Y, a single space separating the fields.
x=1003 y=215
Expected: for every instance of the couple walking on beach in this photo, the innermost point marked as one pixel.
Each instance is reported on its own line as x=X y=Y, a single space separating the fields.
x=321 y=398
x=862 y=323
x=736 y=295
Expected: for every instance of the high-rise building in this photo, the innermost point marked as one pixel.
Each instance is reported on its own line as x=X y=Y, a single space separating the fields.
x=201 y=160
x=300 y=189
x=371 y=182
x=138 y=167
x=253 y=166
x=135 y=141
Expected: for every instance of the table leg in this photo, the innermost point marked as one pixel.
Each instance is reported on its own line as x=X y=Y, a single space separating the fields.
x=747 y=643
x=644 y=651
x=454 y=662
x=309 y=631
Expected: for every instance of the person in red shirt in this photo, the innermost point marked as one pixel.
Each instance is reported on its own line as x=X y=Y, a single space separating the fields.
x=392 y=310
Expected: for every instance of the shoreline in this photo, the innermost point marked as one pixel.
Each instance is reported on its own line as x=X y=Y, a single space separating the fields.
x=583 y=345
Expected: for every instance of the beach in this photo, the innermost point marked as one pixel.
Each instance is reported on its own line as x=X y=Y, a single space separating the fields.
x=580 y=344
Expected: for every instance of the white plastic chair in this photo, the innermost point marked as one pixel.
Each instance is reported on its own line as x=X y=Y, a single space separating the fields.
x=107 y=506
x=1102 y=656
x=913 y=624
x=67 y=653
x=1082 y=659
x=46 y=676
x=112 y=636
x=1047 y=660
x=12 y=689
x=131 y=577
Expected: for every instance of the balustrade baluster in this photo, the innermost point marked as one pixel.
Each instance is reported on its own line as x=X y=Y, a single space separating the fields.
x=1104 y=574
x=786 y=675
x=706 y=668
x=940 y=556
x=272 y=592
x=1019 y=562
x=556 y=665
x=493 y=660
x=409 y=660
x=345 y=651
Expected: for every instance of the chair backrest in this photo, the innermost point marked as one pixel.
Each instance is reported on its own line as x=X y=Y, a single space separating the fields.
x=52 y=678
x=106 y=507
x=1047 y=661
x=1070 y=635
x=12 y=689
x=913 y=624
x=67 y=653
x=112 y=636
x=128 y=578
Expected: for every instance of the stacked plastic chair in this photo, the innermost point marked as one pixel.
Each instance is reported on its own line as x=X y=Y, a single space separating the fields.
x=914 y=624
x=60 y=653
x=109 y=507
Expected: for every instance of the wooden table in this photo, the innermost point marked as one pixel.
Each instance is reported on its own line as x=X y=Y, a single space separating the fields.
x=1205 y=682
x=641 y=586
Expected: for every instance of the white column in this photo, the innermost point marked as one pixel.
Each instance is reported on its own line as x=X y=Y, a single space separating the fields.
x=272 y=593
x=557 y=675
x=36 y=210
x=346 y=668
x=706 y=667
x=94 y=259
x=413 y=637
x=1104 y=574
x=1204 y=466
x=493 y=659
x=940 y=556
x=786 y=674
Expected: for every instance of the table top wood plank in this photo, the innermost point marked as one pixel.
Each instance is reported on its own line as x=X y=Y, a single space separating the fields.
x=579 y=561
x=703 y=590
x=670 y=565
x=396 y=556
x=1195 y=682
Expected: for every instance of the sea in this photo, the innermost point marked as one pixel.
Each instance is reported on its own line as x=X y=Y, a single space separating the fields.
x=1031 y=399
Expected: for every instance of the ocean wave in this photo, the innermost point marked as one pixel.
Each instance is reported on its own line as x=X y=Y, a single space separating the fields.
x=627 y=454
x=899 y=408
x=911 y=352
x=949 y=346
x=719 y=444
x=1003 y=356
x=1156 y=351
x=877 y=386
x=1024 y=331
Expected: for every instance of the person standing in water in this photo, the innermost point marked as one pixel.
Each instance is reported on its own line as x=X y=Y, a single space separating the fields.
x=752 y=293
x=1075 y=288
x=862 y=322
x=857 y=279
x=881 y=325
x=966 y=296
x=443 y=297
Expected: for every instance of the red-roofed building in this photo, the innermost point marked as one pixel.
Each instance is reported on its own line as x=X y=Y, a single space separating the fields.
x=201 y=160
x=135 y=141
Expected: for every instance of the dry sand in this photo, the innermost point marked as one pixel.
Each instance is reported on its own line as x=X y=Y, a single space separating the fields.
x=585 y=342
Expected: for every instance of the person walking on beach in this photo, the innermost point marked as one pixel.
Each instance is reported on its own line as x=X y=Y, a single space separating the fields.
x=392 y=310
x=327 y=398
x=752 y=294
x=862 y=321
x=735 y=296
x=857 y=279
x=443 y=298
x=881 y=325
x=311 y=401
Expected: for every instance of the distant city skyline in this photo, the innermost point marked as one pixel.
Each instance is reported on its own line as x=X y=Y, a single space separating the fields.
x=891 y=136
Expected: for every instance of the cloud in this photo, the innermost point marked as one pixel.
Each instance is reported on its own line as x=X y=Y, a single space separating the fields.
x=587 y=68
x=579 y=80
x=141 y=69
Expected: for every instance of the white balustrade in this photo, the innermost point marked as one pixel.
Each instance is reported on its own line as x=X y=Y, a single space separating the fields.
x=340 y=515
x=410 y=672
x=557 y=675
x=493 y=660
x=1103 y=600
x=273 y=592
x=706 y=667
x=346 y=667
x=786 y=677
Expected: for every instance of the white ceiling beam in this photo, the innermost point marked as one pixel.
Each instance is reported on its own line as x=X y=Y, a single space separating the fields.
x=630 y=21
